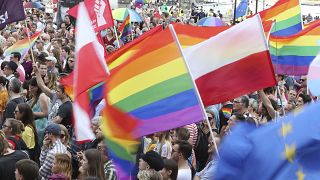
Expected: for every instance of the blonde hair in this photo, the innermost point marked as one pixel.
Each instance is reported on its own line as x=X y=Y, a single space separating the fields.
x=63 y=165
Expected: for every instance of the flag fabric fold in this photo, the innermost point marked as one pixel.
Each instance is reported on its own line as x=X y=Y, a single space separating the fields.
x=156 y=92
x=223 y=66
x=284 y=144
x=99 y=12
x=90 y=70
x=287 y=17
x=11 y=11
x=293 y=54
x=314 y=76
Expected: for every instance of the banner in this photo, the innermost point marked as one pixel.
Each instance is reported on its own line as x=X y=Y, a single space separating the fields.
x=11 y=11
x=99 y=13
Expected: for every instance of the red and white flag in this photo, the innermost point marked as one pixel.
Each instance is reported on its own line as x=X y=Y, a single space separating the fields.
x=99 y=12
x=90 y=69
x=232 y=63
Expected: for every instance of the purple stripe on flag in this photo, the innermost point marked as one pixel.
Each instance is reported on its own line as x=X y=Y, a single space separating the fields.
x=169 y=121
x=290 y=70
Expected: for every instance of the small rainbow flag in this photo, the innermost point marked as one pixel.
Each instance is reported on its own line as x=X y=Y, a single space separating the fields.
x=23 y=45
x=125 y=28
x=287 y=17
x=292 y=55
x=226 y=112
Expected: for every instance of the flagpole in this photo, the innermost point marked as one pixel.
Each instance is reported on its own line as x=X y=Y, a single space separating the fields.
x=174 y=35
x=115 y=32
x=29 y=41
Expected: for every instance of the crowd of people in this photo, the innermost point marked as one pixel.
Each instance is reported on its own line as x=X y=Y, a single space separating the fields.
x=37 y=141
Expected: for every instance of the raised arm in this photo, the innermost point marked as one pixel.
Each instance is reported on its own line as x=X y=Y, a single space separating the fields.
x=40 y=82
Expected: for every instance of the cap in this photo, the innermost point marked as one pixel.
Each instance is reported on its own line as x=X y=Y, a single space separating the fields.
x=53 y=128
x=51 y=58
x=154 y=160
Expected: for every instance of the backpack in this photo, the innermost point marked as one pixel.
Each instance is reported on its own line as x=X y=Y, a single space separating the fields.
x=17 y=142
x=201 y=149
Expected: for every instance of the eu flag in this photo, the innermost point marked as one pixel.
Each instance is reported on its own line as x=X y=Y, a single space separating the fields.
x=241 y=10
x=286 y=149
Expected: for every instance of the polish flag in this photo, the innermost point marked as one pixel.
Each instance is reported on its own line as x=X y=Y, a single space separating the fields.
x=231 y=64
x=90 y=69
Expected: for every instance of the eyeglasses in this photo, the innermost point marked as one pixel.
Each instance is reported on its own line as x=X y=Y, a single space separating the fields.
x=100 y=148
x=302 y=80
x=210 y=118
x=236 y=101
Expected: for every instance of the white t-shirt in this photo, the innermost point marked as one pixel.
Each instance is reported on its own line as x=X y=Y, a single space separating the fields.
x=184 y=174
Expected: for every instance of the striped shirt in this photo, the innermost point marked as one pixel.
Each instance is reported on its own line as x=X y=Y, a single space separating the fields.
x=110 y=171
x=47 y=157
x=193 y=130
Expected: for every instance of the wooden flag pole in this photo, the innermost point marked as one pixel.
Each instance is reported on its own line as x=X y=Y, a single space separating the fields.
x=204 y=113
x=115 y=32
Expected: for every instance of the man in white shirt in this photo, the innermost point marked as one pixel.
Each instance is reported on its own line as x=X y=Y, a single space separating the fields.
x=180 y=153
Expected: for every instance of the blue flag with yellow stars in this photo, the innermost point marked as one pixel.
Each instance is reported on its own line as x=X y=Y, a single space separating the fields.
x=286 y=149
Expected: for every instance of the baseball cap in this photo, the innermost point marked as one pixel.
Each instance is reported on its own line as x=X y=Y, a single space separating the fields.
x=53 y=129
x=51 y=58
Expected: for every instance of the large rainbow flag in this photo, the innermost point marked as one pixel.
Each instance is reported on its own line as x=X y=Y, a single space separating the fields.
x=155 y=87
x=23 y=45
x=287 y=17
x=292 y=55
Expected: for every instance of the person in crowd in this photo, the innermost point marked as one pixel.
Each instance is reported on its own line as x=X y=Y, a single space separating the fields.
x=12 y=129
x=268 y=108
x=55 y=102
x=16 y=57
x=224 y=115
x=15 y=98
x=39 y=104
x=51 y=65
x=24 y=113
x=302 y=100
x=52 y=145
x=27 y=64
x=10 y=70
x=61 y=167
x=109 y=39
x=164 y=146
x=64 y=114
x=109 y=168
x=209 y=171
x=149 y=165
x=292 y=96
x=181 y=151
x=170 y=170
x=92 y=164
x=42 y=66
x=8 y=159
x=26 y=169
x=4 y=96
x=240 y=105
x=69 y=64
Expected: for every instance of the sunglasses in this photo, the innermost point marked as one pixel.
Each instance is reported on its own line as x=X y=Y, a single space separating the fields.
x=62 y=136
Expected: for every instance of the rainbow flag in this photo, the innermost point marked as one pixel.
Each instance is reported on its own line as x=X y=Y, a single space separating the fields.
x=156 y=92
x=292 y=55
x=287 y=17
x=125 y=28
x=120 y=141
x=23 y=45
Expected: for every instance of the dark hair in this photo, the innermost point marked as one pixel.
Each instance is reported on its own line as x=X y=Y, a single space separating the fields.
x=269 y=90
x=172 y=165
x=27 y=117
x=67 y=49
x=1 y=51
x=4 y=81
x=28 y=169
x=95 y=163
x=182 y=133
x=16 y=55
x=3 y=64
x=33 y=82
x=185 y=148
x=275 y=107
x=305 y=98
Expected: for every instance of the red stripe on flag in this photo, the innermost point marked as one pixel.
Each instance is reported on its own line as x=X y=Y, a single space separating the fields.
x=236 y=79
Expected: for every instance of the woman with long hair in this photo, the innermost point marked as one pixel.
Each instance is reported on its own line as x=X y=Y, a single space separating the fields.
x=69 y=64
x=92 y=164
x=29 y=135
x=164 y=146
x=39 y=104
x=61 y=167
x=50 y=80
